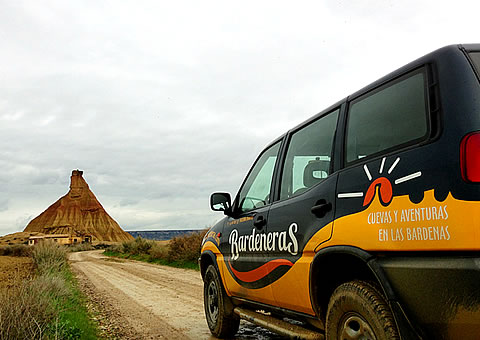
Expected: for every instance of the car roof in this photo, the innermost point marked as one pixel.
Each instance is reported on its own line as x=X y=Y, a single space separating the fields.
x=392 y=75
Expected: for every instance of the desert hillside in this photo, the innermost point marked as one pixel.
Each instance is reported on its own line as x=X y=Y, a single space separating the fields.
x=78 y=213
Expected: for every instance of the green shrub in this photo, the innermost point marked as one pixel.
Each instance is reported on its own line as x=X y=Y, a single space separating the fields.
x=116 y=248
x=185 y=248
x=137 y=246
x=126 y=247
x=158 y=251
x=142 y=246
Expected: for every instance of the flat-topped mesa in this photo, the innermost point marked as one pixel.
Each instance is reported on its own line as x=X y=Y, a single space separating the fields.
x=78 y=213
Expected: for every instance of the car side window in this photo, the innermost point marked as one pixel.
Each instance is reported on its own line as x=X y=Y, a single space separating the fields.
x=392 y=116
x=308 y=157
x=255 y=192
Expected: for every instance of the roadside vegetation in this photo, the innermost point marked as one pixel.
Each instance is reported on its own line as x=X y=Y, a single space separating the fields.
x=81 y=247
x=47 y=306
x=16 y=250
x=180 y=252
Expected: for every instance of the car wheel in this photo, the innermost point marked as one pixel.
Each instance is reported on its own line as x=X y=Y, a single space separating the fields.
x=357 y=310
x=221 y=319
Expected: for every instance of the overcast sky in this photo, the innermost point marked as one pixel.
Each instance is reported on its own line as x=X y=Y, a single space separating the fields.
x=161 y=103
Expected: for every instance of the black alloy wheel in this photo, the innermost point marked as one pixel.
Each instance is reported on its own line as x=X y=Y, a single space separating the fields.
x=221 y=319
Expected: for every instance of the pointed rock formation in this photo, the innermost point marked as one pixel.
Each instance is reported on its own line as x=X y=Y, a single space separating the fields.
x=78 y=213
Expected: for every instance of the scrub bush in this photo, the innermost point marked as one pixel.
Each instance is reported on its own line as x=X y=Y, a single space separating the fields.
x=185 y=248
x=138 y=246
x=49 y=257
x=81 y=247
x=182 y=251
x=16 y=250
x=158 y=251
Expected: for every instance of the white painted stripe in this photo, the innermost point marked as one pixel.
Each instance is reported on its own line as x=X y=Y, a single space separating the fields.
x=367 y=172
x=350 y=195
x=409 y=177
x=393 y=165
x=381 y=165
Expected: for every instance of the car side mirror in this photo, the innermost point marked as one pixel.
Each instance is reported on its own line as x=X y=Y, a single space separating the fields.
x=220 y=201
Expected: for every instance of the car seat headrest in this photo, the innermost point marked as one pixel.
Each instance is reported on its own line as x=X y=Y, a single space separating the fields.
x=315 y=171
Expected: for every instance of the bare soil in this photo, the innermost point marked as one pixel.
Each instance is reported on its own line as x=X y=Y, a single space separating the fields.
x=136 y=300
x=14 y=269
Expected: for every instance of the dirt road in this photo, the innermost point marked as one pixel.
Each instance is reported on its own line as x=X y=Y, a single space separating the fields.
x=145 y=301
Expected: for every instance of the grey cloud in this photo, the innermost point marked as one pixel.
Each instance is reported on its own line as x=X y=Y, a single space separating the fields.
x=128 y=201
x=43 y=179
x=3 y=204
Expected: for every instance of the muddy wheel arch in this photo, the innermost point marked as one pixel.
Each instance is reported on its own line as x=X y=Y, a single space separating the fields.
x=207 y=258
x=334 y=266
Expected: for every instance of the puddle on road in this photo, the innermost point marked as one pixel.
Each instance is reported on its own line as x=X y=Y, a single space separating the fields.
x=248 y=330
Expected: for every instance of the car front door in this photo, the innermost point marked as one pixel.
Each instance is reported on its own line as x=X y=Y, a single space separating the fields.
x=244 y=229
x=302 y=216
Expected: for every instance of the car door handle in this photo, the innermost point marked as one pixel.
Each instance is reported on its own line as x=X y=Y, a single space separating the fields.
x=259 y=221
x=321 y=208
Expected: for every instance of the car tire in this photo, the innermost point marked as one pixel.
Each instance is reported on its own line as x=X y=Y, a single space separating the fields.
x=357 y=310
x=221 y=319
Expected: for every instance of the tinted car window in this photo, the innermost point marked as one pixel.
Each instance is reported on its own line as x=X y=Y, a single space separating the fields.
x=392 y=116
x=255 y=193
x=475 y=56
x=308 y=156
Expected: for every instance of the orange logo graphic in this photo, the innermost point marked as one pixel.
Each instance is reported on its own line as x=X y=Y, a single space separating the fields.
x=385 y=190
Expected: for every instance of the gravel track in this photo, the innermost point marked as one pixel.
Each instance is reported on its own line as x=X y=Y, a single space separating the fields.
x=136 y=300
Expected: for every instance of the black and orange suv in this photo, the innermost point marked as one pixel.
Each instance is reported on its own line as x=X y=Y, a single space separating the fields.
x=363 y=221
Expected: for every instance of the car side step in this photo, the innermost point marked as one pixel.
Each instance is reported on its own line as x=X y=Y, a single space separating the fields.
x=278 y=326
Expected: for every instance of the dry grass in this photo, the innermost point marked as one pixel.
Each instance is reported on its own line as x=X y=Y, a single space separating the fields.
x=29 y=308
x=49 y=257
x=48 y=306
x=25 y=311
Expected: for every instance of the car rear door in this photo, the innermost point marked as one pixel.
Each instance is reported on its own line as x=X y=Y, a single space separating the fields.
x=389 y=166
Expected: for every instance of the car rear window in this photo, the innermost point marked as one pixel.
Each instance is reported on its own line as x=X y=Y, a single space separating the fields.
x=389 y=117
x=475 y=56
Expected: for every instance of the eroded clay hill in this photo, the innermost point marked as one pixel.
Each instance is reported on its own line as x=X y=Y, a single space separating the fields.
x=78 y=212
